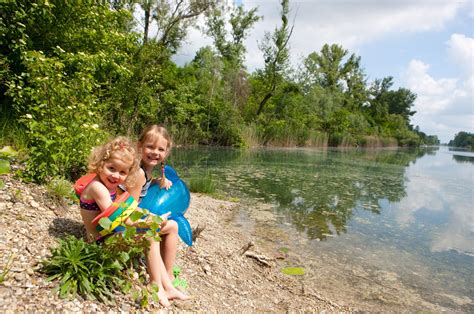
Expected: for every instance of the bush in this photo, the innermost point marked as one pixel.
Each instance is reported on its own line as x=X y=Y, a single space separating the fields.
x=57 y=108
x=60 y=191
x=86 y=269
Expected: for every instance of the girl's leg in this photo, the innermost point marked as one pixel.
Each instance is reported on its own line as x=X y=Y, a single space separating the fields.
x=169 y=246
x=153 y=266
x=159 y=275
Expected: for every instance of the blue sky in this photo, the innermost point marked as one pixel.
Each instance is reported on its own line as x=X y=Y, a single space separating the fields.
x=426 y=45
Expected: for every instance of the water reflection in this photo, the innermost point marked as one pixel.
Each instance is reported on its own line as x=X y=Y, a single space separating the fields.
x=463 y=158
x=317 y=191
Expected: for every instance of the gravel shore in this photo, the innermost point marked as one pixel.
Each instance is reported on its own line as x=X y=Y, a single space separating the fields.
x=225 y=269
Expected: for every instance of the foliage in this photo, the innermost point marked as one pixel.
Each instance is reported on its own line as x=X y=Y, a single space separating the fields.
x=97 y=271
x=60 y=191
x=276 y=55
x=73 y=73
x=86 y=269
x=4 y=166
x=202 y=184
x=463 y=139
x=61 y=56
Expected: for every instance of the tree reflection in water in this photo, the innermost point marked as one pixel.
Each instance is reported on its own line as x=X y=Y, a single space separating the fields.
x=315 y=190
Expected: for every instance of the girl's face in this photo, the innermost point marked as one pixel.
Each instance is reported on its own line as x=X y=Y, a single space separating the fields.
x=154 y=152
x=114 y=172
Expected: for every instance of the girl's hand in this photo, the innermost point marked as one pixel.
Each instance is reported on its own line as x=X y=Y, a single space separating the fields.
x=164 y=219
x=164 y=183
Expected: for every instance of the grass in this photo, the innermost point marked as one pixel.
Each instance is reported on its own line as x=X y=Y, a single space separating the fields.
x=202 y=184
x=6 y=269
x=60 y=191
x=13 y=134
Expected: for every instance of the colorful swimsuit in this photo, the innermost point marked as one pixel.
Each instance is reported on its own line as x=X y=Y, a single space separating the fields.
x=92 y=205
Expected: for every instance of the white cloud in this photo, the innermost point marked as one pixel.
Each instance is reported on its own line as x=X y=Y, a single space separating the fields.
x=445 y=106
x=349 y=23
x=461 y=50
x=441 y=197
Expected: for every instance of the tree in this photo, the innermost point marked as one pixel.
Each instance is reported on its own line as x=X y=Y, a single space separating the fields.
x=332 y=69
x=173 y=18
x=231 y=48
x=276 y=55
x=400 y=102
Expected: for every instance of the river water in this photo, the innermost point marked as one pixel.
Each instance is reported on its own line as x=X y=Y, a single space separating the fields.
x=380 y=230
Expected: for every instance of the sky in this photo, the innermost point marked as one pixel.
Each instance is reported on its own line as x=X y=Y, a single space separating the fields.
x=426 y=45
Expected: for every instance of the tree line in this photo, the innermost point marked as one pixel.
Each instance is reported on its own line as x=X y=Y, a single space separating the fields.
x=75 y=72
x=463 y=140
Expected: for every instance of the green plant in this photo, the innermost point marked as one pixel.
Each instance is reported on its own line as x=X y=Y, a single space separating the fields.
x=4 y=166
x=86 y=269
x=97 y=271
x=202 y=184
x=2 y=184
x=7 y=267
x=60 y=191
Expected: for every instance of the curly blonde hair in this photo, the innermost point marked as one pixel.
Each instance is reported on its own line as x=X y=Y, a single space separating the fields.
x=152 y=133
x=120 y=148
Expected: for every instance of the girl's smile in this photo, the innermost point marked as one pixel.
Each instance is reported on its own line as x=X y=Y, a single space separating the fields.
x=113 y=173
x=154 y=152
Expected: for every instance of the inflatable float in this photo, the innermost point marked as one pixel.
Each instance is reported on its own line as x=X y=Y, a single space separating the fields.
x=175 y=200
x=158 y=201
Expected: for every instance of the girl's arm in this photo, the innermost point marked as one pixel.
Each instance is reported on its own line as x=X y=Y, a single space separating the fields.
x=99 y=193
x=136 y=189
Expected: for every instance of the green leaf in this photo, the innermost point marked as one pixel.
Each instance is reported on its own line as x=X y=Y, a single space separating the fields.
x=129 y=232
x=4 y=166
x=293 y=271
x=105 y=222
x=124 y=257
x=176 y=271
x=8 y=152
x=157 y=219
x=135 y=216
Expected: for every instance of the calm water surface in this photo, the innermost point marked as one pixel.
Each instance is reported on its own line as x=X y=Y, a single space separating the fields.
x=390 y=227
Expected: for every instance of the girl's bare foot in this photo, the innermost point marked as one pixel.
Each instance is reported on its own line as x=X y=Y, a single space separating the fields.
x=176 y=294
x=164 y=301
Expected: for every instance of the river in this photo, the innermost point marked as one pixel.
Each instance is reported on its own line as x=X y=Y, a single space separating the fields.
x=380 y=230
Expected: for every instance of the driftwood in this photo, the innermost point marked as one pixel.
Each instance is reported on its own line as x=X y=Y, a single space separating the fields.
x=245 y=248
x=262 y=259
x=197 y=231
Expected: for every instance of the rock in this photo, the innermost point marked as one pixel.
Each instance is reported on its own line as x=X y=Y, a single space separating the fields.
x=34 y=204
x=19 y=276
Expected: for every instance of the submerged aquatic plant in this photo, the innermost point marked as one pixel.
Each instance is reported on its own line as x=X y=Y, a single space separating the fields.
x=293 y=271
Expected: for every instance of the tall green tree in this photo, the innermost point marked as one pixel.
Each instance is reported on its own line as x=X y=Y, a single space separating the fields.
x=275 y=48
x=230 y=46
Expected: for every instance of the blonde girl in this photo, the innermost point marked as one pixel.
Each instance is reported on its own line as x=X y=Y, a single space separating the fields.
x=114 y=164
x=154 y=145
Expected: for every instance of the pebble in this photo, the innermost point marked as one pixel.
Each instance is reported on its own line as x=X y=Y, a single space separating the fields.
x=34 y=204
x=19 y=276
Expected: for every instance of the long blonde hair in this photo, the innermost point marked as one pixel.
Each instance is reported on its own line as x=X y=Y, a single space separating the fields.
x=120 y=148
x=152 y=133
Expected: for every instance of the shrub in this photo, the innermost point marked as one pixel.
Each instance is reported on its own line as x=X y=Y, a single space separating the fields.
x=85 y=269
x=60 y=191
x=98 y=271
x=57 y=108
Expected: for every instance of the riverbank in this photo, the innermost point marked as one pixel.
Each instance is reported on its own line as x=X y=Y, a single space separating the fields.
x=225 y=269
